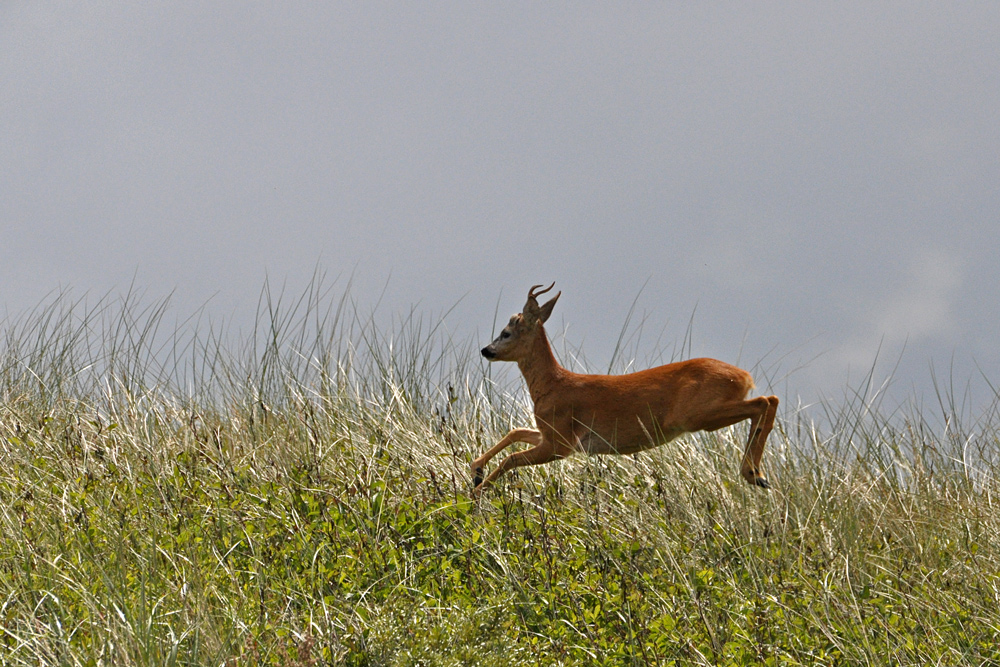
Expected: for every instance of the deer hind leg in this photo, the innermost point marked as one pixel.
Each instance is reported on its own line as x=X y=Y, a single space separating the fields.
x=760 y=427
x=528 y=435
x=541 y=453
x=760 y=411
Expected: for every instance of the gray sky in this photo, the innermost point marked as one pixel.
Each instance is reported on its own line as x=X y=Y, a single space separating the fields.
x=812 y=180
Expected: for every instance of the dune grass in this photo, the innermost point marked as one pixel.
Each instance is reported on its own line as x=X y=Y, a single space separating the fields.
x=300 y=496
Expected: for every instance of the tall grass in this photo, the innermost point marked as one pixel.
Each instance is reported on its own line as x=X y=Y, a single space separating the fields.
x=298 y=495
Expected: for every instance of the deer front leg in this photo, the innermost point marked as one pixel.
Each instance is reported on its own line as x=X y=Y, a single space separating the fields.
x=528 y=435
x=541 y=453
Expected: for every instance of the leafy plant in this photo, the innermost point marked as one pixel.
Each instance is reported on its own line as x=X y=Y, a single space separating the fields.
x=302 y=498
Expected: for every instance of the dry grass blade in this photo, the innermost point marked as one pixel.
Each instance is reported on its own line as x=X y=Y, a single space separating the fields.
x=181 y=495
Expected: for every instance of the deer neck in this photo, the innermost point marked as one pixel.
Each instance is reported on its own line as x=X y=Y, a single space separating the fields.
x=540 y=368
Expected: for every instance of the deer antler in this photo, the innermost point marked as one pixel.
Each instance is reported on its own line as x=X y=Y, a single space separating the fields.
x=532 y=294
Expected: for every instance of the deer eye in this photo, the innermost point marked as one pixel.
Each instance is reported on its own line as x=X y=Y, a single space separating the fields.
x=504 y=334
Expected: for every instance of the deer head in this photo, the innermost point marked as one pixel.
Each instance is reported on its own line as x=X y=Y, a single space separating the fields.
x=516 y=339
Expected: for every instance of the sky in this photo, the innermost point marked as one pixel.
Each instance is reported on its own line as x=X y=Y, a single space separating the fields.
x=811 y=190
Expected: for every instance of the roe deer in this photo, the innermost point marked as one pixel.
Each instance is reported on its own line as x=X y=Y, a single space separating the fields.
x=619 y=414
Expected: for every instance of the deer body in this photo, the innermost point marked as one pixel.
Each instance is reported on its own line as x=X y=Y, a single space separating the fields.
x=619 y=414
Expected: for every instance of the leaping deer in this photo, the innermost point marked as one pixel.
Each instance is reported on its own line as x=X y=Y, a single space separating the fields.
x=619 y=414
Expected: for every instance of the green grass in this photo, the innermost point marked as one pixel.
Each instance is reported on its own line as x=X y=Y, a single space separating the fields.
x=300 y=496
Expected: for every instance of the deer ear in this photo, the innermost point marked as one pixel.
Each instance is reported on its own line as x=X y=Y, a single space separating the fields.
x=531 y=311
x=546 y=310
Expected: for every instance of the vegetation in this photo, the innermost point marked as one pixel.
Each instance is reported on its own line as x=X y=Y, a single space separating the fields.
x=300 y=496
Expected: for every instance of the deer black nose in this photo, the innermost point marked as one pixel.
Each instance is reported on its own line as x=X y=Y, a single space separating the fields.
x=488 y=353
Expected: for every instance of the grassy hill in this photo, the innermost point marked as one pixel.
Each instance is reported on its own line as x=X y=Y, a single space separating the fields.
x=301 y=497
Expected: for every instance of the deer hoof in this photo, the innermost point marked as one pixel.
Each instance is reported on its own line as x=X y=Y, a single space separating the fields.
x=477 y=477
x=754 y=478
